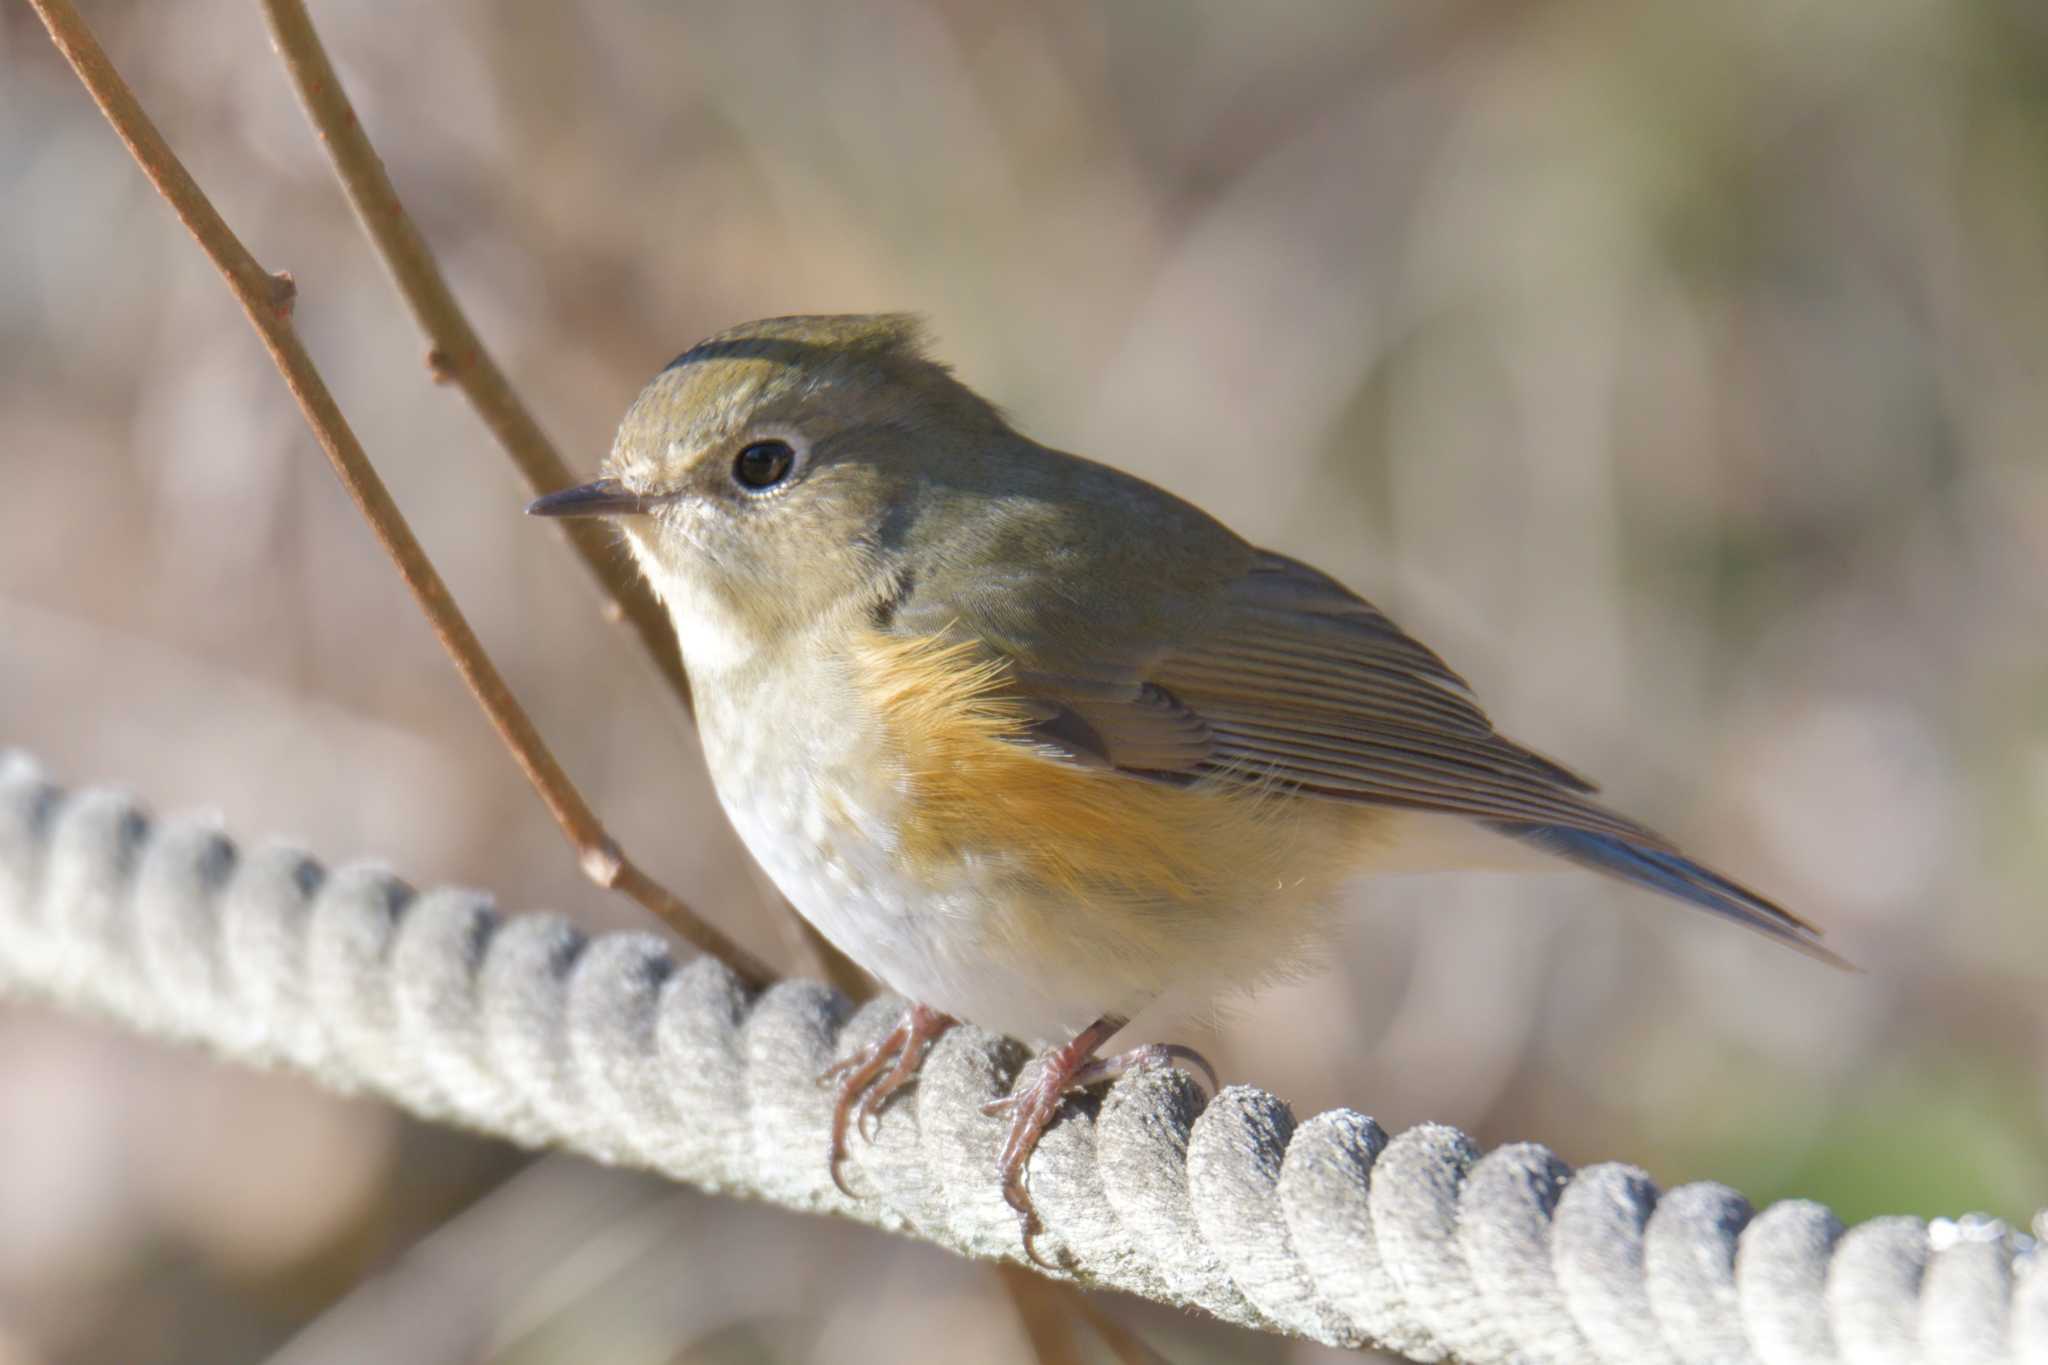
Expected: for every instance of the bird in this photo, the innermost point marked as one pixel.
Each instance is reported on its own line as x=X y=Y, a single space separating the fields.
x=1034 y=742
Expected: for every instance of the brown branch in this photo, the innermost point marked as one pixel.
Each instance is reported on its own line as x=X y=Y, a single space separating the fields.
x=1046 y=1310
x=1042 y=1313
x=267 y=299
x=1123 y=1343
x=455 y=355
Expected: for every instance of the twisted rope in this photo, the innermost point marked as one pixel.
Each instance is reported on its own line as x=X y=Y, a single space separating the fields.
x=522 y=1026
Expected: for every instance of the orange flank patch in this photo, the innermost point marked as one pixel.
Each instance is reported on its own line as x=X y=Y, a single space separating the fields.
x=978 y=790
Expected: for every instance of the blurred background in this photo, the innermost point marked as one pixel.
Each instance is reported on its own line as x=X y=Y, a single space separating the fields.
x=1681 y=372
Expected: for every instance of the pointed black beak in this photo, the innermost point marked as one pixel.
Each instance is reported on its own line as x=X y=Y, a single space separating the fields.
x=601 y=498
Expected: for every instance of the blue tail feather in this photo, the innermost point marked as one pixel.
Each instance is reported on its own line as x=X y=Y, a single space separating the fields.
x=1674 y=875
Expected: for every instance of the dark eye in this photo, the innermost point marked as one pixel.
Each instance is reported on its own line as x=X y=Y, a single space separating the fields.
x=763 y=464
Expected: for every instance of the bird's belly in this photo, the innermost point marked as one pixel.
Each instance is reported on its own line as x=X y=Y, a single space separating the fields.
x=995 y=884
x=817 y=807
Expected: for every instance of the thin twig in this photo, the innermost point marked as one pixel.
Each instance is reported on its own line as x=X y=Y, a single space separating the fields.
x=1046 y=1309
x=1048 y=1327
x=1127 y=1346
x=267 y=300
x=455 y=354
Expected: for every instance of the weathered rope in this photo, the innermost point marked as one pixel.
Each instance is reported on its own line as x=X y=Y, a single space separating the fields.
x=523 y=1026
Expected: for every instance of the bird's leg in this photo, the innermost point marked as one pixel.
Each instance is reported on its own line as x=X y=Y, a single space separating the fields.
x=867 y=1079
x=1070 y=1067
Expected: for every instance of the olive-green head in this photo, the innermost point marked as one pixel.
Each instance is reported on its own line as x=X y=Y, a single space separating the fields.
x=770 y=474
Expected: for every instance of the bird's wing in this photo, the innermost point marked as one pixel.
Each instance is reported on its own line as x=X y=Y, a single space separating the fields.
x=1277 y=675
x=1295 y=680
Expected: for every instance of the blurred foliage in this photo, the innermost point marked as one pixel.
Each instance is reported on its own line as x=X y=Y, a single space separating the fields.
x=1676 y=369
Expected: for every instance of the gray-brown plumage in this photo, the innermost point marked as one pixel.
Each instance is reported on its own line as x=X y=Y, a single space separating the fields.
x=1032 y=740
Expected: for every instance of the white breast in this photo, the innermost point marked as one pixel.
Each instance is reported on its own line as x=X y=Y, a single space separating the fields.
x=805 y=781
x=808 y=788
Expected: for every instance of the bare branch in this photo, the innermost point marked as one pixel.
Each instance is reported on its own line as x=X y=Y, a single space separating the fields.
x=267 y=300
x=1043 y=1314
x=455 y=354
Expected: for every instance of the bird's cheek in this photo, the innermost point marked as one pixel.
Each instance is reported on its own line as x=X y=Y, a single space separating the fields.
x=677 y=533
x=643 y=536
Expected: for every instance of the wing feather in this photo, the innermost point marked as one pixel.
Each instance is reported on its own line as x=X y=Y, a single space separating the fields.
x=1288 y=679
x=1249 y=667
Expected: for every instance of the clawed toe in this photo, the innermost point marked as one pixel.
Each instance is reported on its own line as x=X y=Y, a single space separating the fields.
x=867 y=1079
x=909 y=1059
x=870 y=1077
x=1147 y=1057
x=1033 y=1106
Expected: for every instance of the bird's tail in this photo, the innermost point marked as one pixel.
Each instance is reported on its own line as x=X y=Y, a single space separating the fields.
x=1674 y=874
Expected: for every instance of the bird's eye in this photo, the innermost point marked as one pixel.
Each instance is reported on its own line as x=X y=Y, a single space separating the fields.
x=763 y=464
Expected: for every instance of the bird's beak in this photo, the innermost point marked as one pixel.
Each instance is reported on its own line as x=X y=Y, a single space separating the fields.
x=599 y=498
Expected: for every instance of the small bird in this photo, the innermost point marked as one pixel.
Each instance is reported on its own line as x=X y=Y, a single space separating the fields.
x=1032 y=741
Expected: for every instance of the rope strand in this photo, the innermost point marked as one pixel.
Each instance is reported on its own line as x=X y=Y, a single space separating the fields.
x=524 y=1027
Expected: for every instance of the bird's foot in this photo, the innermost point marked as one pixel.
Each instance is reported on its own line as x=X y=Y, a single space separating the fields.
x=1032 y=1108
x=870 y=1076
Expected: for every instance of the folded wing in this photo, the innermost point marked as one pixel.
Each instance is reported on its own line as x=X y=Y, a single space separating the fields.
x=1300 y=683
